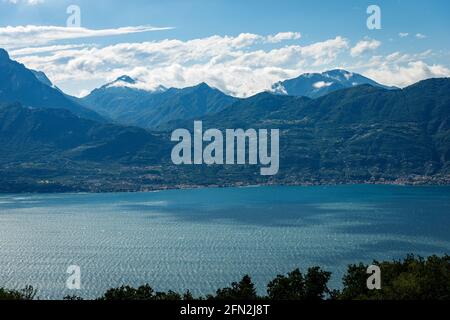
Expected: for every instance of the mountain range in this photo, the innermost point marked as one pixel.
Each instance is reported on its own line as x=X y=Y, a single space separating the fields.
x=314 y=85
x=121 y=101
x=359 y=134
x=50 y=141
x=32 y=88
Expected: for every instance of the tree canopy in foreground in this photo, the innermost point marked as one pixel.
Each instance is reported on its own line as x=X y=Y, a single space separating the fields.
x=413 y=278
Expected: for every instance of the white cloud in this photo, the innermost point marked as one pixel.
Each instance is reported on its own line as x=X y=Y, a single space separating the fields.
x=45 y=49
x=82 y=93
x=322 y=84
x=420 y=36
x=282 y=36
x=364 y=46
x=402 y=75
x=236 y=65
x=326 y=51
x=403 y=34
x=400 y=69
x=392 y=59
x=26 y=36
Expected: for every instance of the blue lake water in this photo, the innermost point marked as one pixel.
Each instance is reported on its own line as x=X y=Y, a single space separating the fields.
x=206 y=238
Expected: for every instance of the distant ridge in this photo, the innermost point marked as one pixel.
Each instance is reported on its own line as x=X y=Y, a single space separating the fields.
x=363 y=134
x=132 y=84
x=314 y=85
x=121 y=101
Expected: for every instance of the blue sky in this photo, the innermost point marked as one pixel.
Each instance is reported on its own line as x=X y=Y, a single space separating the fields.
x=229 y=44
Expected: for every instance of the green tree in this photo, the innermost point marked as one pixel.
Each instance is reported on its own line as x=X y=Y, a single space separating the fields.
x=144 y=292
x=28 y=293
x=355 y=282
x=316 y=284
x=72 y=298
x=242 y=290
x=295 y=286
x=413 y=278
x=290 y=287
x=187 y=296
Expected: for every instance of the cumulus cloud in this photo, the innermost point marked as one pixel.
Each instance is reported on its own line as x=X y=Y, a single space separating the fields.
x=402 y=75
x=26 y=36
x=364 y=46
x=324 y=52
x=282 y=36
x=401 y=69
x=240 y=65
x=235 y=64
x=403 y=34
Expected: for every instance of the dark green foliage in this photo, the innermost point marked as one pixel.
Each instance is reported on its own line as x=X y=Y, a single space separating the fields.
x=355 y=282
x=242 y=290
x=316 y=281
x=187 y=296
x=73 y=298
x=290 y=287
x=35 y=134
x=295 y=286
x=129 y=293
x=169 y=295
x=413 y=278
x=28 y=293
x=144 y=292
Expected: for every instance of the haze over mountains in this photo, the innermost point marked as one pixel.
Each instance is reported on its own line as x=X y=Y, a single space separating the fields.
x=364 y=133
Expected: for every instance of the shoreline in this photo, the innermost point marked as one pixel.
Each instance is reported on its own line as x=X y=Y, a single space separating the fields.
x=397 y=183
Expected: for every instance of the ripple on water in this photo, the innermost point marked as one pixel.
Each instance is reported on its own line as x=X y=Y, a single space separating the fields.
x=178 y=240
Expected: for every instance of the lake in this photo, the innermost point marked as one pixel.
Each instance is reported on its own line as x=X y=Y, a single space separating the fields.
x=203 y=239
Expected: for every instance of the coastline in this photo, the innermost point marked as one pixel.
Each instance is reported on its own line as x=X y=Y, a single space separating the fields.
x=414 y=181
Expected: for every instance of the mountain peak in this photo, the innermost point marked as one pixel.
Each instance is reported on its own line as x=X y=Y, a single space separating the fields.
x=314 y=85
x=202 y=85
x=33 y=89
x=121 y=81
x=126 y=79
x=341 y=75
x=337 y=71
x=129 y=84
x=4 y=56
